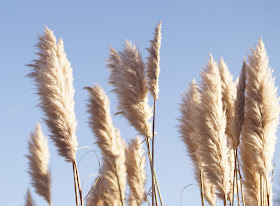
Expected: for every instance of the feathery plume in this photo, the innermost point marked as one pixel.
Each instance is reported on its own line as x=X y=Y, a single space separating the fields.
x=153 y=69
x=53 y=77
x=189 y=135
x=136 y=162
x=111 y=145
x=96 y=197
x=239 y=106
x=228 y=94
x=261 y=120
x=38 y=164
x=28 y=199
x=228 y=97
x=211 y=124
x=128 y=77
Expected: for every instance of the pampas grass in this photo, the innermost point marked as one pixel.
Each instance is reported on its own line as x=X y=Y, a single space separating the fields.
x=53 y=77
x=38 y=164
x=191 y=100
x=96 y=197
x=136 y=162
x=213 y=150
x=260 y=123
x=153 y=68
x=111 y=145
x=52 y=73
x=127 y=75
x=28 y=199
x=152 y=71
x=239 y=106
x=218 y=118
x=228 y=97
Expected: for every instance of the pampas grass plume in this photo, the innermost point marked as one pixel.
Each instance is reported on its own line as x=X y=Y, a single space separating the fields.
x=28 y=199
x=111 y=144
x=261 y=120
x=127 y=75
x=239 y=105
x=136 y=162
x=96 y=197
x=189 y=134
x=153 y=68
x=38 y=164
x=211 y=124
x=53 y=77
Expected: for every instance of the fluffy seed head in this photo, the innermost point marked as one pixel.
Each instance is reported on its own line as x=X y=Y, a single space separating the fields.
x=111 y=145
x=127 y=75
x=53 y=77
x=136 y=162
x=261 y=119
x=38 y=164
x=153 y=69
x=189 y=134
x=96 y=197
x=239 y=106
x=28 y=199
x=211 y=124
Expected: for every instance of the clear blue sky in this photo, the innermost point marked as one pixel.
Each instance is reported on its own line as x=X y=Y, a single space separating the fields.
x=190 y=31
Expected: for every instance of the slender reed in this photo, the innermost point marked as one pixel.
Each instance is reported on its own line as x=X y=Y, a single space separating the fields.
x=38 y=164
x=189 y=134
x=111 y=145
x=28 y=199
x=261 y=121
x=136 y=162
x=211 y=124
x=53 y=77
x=152 y=72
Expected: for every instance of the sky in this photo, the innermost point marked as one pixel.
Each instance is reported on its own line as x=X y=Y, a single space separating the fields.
x=190 y=31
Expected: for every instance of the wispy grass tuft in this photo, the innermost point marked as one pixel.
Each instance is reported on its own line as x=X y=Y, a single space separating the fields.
x=38 y=164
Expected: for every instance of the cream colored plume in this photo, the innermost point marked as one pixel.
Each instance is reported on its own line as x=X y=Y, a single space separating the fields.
x=228 y=94
x=38 y=164
x=211 y=125
x=28 y=199
x=261 y=119
x=189 y=135
x=97 y=195
x=228 y=98
x=239 y=106
x=128 y=77
x=153 y=69
x=111 y=145
x=136 y=163
x=53 y=77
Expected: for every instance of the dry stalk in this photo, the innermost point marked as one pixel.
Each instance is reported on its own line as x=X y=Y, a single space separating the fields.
x=201 y=188
x=75 y=185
